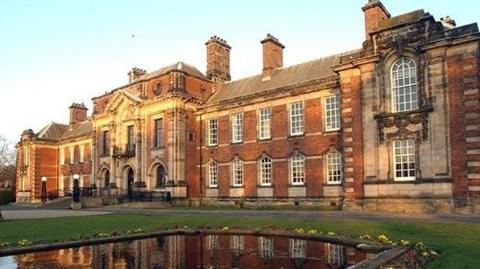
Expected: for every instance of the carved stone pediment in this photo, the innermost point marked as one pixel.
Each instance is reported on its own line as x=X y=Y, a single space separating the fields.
x=404 y=124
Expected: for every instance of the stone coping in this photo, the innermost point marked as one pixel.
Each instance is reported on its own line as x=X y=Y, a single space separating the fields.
x=386 y=253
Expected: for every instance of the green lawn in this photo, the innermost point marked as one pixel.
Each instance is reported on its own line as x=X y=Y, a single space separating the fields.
x=459 y=243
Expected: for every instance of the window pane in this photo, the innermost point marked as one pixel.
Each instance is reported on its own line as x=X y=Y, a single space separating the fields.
x=405 y=167
x=404 y=85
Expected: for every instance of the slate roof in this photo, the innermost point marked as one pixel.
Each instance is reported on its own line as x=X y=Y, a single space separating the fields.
x=179 y=66
x=80 y=129
x=57 y=131
x=53 y=131
x=291 y=75
x=401 y=19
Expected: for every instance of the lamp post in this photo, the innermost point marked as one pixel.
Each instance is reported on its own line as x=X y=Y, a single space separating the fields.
x=43 y=196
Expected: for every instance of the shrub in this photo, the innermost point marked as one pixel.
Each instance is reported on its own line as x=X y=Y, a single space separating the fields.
x=7 y=196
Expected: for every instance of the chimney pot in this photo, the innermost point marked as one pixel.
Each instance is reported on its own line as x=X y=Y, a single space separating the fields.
x=135 y=74
x=218 y=59
x=272 y=55
x=374 y=12
x=78 y=113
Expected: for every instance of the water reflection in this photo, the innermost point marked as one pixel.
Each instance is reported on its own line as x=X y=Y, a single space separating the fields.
x=209 y=252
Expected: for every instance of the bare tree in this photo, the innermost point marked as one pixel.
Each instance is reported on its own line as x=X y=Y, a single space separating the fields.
x=7 y=161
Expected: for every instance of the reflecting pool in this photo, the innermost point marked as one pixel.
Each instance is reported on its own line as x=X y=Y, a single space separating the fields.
x=195 y=251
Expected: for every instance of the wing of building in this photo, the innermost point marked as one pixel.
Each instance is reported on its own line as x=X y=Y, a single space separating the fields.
x=394 y=125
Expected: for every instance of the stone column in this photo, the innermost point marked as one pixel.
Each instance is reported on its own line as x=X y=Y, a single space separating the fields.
x=113 y=164
x=138 y=149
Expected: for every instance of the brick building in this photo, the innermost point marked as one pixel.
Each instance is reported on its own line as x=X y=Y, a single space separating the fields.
x=394 y=125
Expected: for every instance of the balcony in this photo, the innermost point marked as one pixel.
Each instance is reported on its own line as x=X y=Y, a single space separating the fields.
x=128 y=151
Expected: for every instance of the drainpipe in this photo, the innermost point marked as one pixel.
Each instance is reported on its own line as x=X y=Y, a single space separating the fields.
x=200 y=157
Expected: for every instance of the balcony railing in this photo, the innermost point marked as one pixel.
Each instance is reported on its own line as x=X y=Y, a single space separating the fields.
x=128 y=151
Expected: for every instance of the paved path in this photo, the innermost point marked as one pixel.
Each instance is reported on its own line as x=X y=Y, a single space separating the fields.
x=33 y=212
x=23 y=212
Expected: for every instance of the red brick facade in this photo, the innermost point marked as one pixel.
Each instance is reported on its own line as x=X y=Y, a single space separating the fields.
x=393 y=125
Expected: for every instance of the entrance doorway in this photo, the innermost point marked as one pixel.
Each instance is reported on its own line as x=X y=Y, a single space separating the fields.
x=161 y=178
x=130 y=181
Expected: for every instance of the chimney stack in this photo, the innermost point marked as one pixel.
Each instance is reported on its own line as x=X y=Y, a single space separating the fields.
x=375 y=12
x=218 y=59
x=272 y=55
x=135 y=74
x=78 y=113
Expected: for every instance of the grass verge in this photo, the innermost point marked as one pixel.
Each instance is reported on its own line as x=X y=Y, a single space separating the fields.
x=458 y=243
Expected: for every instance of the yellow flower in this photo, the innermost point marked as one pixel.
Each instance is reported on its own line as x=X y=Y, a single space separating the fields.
x=433 y=253
x=312 y=231
x=405 y=242
x=425 y=254
x=225 y=228
x=330 y=233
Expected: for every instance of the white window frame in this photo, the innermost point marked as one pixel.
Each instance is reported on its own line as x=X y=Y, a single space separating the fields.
x=265 y=171
x=237 y=173
x=298 y=248
x=331 y=112
x=212 y=131
x=334 y=254
x=212 y=242
x=237 y=243
x=333 y=165
x=296 y=117
x=265 y=247
x=237 y=127
x=409 y=87
x=401 y=153
x=265 y=123
x=295 y=179
x=212 y=174
x=81 y=153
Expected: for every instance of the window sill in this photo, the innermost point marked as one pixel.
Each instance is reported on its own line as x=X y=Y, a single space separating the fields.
x=265 y=186
x=212 y=146
x=212 y=187
x=267 y=139
x=328 y=132
x=295 y=136
x=297 y=185
x=333 y=184
x=236 y=143
x=236 y=186
x=404 y=180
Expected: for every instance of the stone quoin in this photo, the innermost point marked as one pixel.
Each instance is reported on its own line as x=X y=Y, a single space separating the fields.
x=392 y=126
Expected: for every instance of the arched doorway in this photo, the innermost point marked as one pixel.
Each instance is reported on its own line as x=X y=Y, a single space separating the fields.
x=160 y=176
x=106 y=179
x=130 y=181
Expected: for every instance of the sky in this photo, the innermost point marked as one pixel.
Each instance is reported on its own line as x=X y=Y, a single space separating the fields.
x=53 y=53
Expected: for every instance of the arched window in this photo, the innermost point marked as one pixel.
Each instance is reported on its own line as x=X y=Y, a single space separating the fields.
x=404 y=85
x=334 y=168
x=237 y=173
x=265 y=171
x=297 y=169
x=212 y=174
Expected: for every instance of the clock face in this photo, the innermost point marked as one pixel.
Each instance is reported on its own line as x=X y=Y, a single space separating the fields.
x=157 y=89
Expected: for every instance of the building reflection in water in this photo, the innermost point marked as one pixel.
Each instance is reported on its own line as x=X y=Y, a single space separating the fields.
x=209 y=252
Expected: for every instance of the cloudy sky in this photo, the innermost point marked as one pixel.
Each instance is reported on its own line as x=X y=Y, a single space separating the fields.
x=53 y=53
